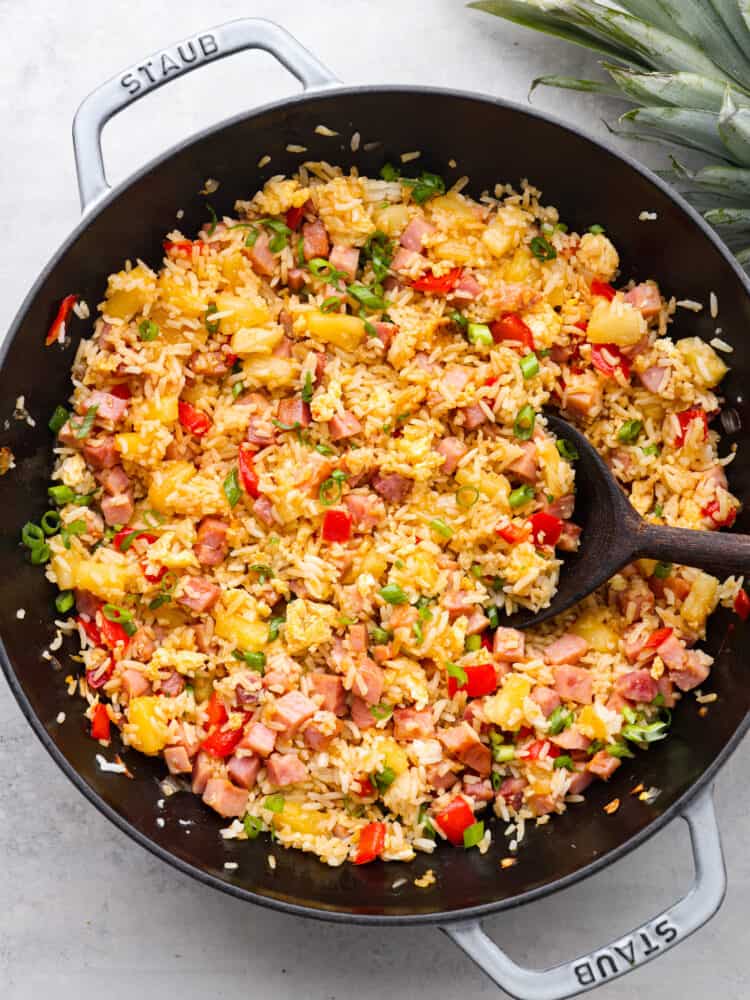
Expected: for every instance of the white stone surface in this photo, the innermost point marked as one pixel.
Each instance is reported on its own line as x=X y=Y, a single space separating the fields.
x=86 y=913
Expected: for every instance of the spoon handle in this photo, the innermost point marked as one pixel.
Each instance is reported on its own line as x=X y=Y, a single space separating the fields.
x=719 y=553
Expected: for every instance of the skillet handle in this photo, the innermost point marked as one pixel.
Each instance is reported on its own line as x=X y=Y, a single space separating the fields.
x=167 y=64
x=648 y=941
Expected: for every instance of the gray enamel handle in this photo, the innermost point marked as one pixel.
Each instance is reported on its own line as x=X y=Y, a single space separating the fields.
x=642 y=945
x=168 y=64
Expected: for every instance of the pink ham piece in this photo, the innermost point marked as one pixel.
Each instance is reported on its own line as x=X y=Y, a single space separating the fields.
x=86 y=603
x=416 y=232
x=456 y=378
x=100 y=452
x=331 y=690
x=570 y=537
x=460 y=602
x=109 y=409
x=478 y=758
x=409 y=724
x=440 y=776
x=177 y=760
x=392 y=486
x=260 y=255
x=260 y=739
x=296 y=278
x=202 y=771
x=509 y=645
x=694 y=671
x=114 y=480
x=580 y=782
x=315 y=242
x=666 y=690
x=453 y=450
x=293 y=709
x=583 y=394
x=478 y=789
x=511 y=790
x=358 y=638
x=361 y=714
x=541 y=805
x=477 y=623
x=467 y=289
x=474 y=416
x=672 y=652
x=283 y=349
x=315 y=738
x=602 y=765
x=263 y=510
x=294 y=412
x=547 y=699
x=655 y=378
x=187 y=736
x=569 y=648
x=118 y=509
x=243 y=771
x=369 y=681
x=638 y=685
x=574 y=684
x=525 y=467
x=135 y=683
x=645 y=298
x=458 y=739
x=198 y=593
x=405 y=260
x=172 y=685
x=343 y=425
x=211 y=546
x=366 y=511
x=571 y=739
x=285 y=769
x=345 y=259
x=224 y=797
x=385 y=332
x=563 y=507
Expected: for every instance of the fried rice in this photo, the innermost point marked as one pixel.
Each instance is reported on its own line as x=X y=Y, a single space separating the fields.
x=306 y=475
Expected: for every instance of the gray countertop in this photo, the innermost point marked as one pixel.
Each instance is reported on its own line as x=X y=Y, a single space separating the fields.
x=87 y=913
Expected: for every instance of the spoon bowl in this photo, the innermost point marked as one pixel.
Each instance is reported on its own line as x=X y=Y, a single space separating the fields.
x=614 y=534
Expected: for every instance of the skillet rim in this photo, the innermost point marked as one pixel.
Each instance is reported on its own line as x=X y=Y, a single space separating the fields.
x=318 y=912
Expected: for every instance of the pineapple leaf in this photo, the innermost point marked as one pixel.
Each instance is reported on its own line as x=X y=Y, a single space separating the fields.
x=572 y=83
x=737 y=218
x=527 y=14
x=720 y=182
x=734 y=129
x=685 y=90
x=743 y=256
x=730 y=11
x=685 y=126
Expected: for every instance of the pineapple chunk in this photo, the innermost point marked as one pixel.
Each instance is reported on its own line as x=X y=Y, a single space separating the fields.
x=105 y=579
x=145 y=730
x=419 y=572
x=244 y=634
x=505 y=708
x=703 y=360
x=592 y=627
x=298 y=820
x=591 y=724
x=456 y=206
x=557 y=472
x=374 y=563
x=646 y=566
x=455 y=250
x=346 y=332
x=163 y=409
x=256 y=340
x=146 y=446
x=233 y=267
x=701 y=601
x=615 y=322
x=168 y=478
x=499 y=238
x=270 y=371
x=181 y=297
x=519 y=267
x=393 y=219
x=308 y=624
x=245 y=312
x=123 y=301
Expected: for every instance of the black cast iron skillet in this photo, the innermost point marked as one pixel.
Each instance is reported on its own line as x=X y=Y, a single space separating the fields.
x=490 y=140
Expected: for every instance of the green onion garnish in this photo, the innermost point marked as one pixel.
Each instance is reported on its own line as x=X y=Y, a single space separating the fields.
x=114 y=613
x=424 y=187
x=662 y=570
x=64 y=601
x=651 y=449
x=529 y=365
x=503 y=754
x=381 y=711
x=274 y=803
x=596 y=229
x=264 y=572
x=619 y=749
x=472 y=643
x=256 y=661
x=493 y=613
x=83 y=427
x=521 y=496
x=214 y=221
x=307 y=388
x=567 y=449
x=324 y=449
x=231 y=488
x=366 y=297
x=380 y=636
x=211 y=325
x=523 y=427
x=479 y=335
x=559 y=719
x=253 y=826
x=457 y=673
x=40 y=554
x=50 y=522
x=58 y=418
x=564 y=760
x=629 y=431
x=393 y=594
x=458 y=318
x=61 y=494
x=383 y=779
x=31 y=535
x=439 y=526
x=389 y=173
x=473 y=834
x=542 y=249
x=274 y=625
x=467 y=496
x=148 y=330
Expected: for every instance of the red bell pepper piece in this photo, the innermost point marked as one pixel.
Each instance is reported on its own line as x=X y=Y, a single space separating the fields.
x=337 y=526
x=216 y=713
x=487 y=642
x=512 y=327
x=92 y=631
x=156 y=577
x=512 y=533
x=454 y=819
x=184 y=246
x=686 y=418
x=371 y=843
x=602 y=288
x=523 y=734
x=194 y=421
x=545 y=528
x=123 y=533
x=534 y=750
x=248 y=475
x=100 y=723
x=607 y=358
x=657 y=638
x=98 y=678
x=222 y=742
x=113 y=633
x=441 y=285
x=366 y=788
x=582 y=324
x=293 y=217
x=58 y=323
x=712 y=509
x=481 y=679
x=742 y=604
x=121 y=390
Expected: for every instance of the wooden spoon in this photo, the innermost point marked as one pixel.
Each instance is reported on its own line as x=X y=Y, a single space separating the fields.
x=614 y=534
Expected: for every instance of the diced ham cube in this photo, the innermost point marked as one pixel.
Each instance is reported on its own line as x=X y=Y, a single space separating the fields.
x=467 y=289
x=571 y=739
x=343 y=425
x=211 y=546
x=109 y=409
x=315 y=242
x=574 y=684
x=646 y=298
x=358 y=638
x=225 y=798
x=135 y=683
x=100 y=452
x=243 y=771
x=187 y=736
x=547 y=699
x=655 y=378
x=694 y=671
x=509 y=645
x=118 y=509
x=474 y=416
x=478 y=622
x=480 y=790
x=385 y=332
x=582 y=395
x=315 y=738
x=635 y=600
x=296 y=278
x=67 y=436
x=416 y=232
x=453 y=450
x=440 y=776
x=638 y=685
x=285 y=769
x=525 y=467
x=293 y=709
x=198 y=593
x=672 y=652
x=366 y=511
x=368 y=682
x=114 y=480
x=361 y=714
x=260 y=739
x=569 y=648
x=511 y=789
x=563 y=507
x=458 y=739
x=580 y=782
x=392 y=487
x=603 y=765
x=172 y=685
x=478 y=758
x=456 y=378
x=177 y=760
x=294 y=412
x=541 y=805
x=405 y=259
x=263 y=510
x=260 y=255
x=283 y=349
x=666 y=690
x=345 y=259
x=570 y=537
x=409 y=724
x=202 y=771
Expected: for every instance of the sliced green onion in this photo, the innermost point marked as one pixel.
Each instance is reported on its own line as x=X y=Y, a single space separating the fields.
x=264 y=572
x=389 y=173
x=467 y=496
x=324 y=449
x=393 y=594
x=659 y=700
x=651 y=449
x=563 y=761
x=366 y=297
x=330 y=491
x=253 y=826
x=473 y=834
x=31 y=535
x=529 y=365
x=425 y=186
x=596 y=229
x=256 y=661
x=378 y=249
x=381 y=711
x=542 y=249
x=521 y=496
x=493 y=613
x=662 y=570
x=252 y=237
x=50 y=522
x=567 y=449
x=274 y=625
x=83 y=427
x=307 y=388
x=211 y=325
x=64 y=601
x=559 y=719
x=523 y=427
x=380 y=636
x=658 y=510
x=476 y=571
x=458 y=318
x=277 y=243
x=479 y=335
x=439 y=526
x=629 y=431
x=473 y=643
x=237 y=389
x=274 y=803
x=78 y=527
x=114 y=613
x=40 y=554
x=148 y=330
x=158 y=601
x=503 y=754
x=58 y=419
x=231 y=488
x=619 y=749
x=214 y=221
x=457 y=673
x=383 y=779
x=647 y=732
x=61 y=494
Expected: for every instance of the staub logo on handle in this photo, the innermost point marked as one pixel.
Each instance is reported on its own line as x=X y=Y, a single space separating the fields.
x=627 y=953
x=175 y=60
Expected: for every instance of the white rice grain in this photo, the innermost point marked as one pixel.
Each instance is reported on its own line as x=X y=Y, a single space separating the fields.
x=690 y=304
x=324 y=130
x=721 y=345
x=713 y=304
x=647 y=217
x=413 y=155
x=354 y=143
